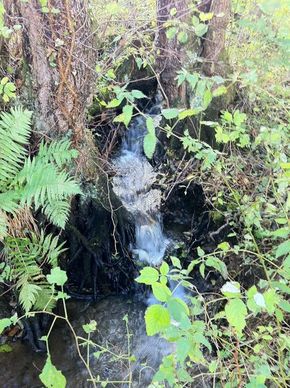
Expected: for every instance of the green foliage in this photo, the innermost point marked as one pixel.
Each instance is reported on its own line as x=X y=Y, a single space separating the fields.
x=7 y=89
x=51 y=377
x=42 y=183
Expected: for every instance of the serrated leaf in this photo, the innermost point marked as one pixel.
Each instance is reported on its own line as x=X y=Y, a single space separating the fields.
x=236 y=312
x=57 y=276
x=148 y=276
x=170 y=113
x=51 y=377
x=90 y=327
x=161 y=292
x=138 y=94
x=149 y=145
x=283 y=249
x=200 y=29
x=157 y=319
x=164 y=269
x=4 y=323
x=231 y=289
x=216 y=263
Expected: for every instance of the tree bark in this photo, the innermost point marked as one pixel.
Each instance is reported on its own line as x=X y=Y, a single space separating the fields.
x=214 y=44
x=170 y=52
x=59 y=50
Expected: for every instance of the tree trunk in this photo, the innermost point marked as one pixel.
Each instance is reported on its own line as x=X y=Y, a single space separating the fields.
x=214 y=44
x=57 y=46
x=170 y=56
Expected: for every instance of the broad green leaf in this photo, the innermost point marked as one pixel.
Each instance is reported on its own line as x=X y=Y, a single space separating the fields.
x=170 y=113
x=161 y=292
x=271 y=300
x=128 y=112
x=164 y=269
x=205 y=16
x=283 y=249
x=219 y=91
x=51 y=377
x=171 y=32
x=149 y=145
x=148 y=275
x=188 y=112
x=231 y=289
x=177 y=308
x=90 y=327
x=157 y=319
x=150 y=125
x=138 y=94
x=114 y=103
x=57 y=276
x=200 y=29
x=236 y=312
x=207 y=97
x=216 y=263
x=175 y=262
x=182 y=37
x=4 y=323
x=224 y=246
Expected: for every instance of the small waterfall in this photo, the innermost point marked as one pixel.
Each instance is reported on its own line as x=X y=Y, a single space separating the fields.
x=133 y=183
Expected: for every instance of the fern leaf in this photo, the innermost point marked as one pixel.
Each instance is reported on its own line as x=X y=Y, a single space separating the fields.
x=58 y=152
x=28 y=294
x=57 y=212
x=14 y=135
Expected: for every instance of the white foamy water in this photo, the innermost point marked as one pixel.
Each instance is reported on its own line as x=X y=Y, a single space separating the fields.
x=133 y=183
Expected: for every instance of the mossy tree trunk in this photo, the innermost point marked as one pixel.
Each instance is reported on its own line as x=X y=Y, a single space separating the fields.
x=170 y=51
x=58 y=49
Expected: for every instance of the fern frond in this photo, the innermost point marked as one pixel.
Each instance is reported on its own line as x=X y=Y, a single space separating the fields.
x=46 y=186
x=46 y=297
x=57 y=212
x=14 y=135
x=58 y=152
x=9 y=201
x=28 y=294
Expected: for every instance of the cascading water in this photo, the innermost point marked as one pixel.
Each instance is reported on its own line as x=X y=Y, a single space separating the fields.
x=133 y=185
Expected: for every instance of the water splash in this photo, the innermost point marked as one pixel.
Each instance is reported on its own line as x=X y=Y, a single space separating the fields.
x=133 y=183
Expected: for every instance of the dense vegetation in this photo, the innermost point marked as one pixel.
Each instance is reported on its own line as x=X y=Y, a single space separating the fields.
x=224 y=126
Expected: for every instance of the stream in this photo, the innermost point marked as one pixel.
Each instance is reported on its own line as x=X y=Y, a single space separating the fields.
x=133 y=183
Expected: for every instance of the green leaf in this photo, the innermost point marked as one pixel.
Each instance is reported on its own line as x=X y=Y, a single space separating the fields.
x=177 y=308
x=231 y=289
x=28 y=294
x=188 y=112
x=4 y=323
x=201 y=29
x=170 y=113
x=149 y=145
x=182 y=37
x=236 y=312
x=148 y=275
x=90 y=327
x=219 y=91
x=57 y=276
x=164 y=269
x=207 y=97
x=175 y=262
x=138 y=94
x=271 y=300
x=114 y=103
x=157 y=319
x=150 y=125
x=51 y=377
x=161 y=292
x=171 y=32
x=126 y=116
x=283 y=249
x=206 y=16
x=216 y=263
